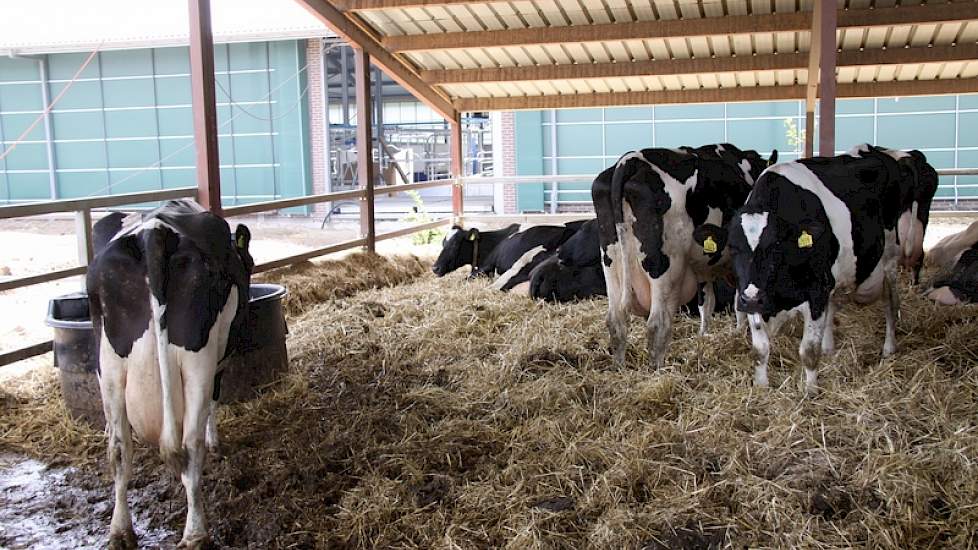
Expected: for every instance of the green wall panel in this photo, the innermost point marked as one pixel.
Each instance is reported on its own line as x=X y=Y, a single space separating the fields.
x=14 y=70
x=28 y=187
x=969 y=101
x=77 y=125
x=762 y=135
x=577 y=140
x=79 y=155
x=579 y=115
x=628 y=114
x=28 y=156
x=128 y=93
x=771 y=108
x=968 y=130
x=852 y=130
x=621 y=138
x=82 y=184
x=915 y=104
x=529 y=159
x=674 y=112
x=917 y=131
x=676 y=134
x=21 y=97
x=130 y=123
x=111 y=122
x=853 y=106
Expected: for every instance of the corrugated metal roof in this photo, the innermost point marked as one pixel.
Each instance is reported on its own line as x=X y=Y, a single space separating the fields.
x=436 y=20
x=46 y=26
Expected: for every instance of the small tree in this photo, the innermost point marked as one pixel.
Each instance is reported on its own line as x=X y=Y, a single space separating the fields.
x=420 y=215
x=791 y=133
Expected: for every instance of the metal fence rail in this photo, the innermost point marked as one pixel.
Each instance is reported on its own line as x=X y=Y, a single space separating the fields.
x=82 y=207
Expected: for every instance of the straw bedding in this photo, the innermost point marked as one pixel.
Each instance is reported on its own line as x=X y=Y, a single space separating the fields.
x=441 y=414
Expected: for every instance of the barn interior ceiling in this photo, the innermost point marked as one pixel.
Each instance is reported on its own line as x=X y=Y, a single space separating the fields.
x=536 y=54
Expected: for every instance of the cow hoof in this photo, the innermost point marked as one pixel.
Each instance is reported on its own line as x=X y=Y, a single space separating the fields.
x=889 y=349
x=122 y=541
x=196 y=542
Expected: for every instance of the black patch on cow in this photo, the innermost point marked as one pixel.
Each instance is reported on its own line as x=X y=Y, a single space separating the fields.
x=962 y=280
x=459 y=250
x=105 y=229
x=605 y=210
x=574 y=272
x=118 y=294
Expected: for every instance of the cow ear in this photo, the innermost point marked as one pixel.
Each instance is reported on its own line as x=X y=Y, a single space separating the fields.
x=773 y=158
x=242 y=237
x=712 y=238
x=473 y=234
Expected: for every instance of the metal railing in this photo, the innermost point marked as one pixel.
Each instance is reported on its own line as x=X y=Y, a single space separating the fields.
x=82 y=207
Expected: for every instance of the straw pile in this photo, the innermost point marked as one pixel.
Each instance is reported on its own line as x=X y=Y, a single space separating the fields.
x=442 y=414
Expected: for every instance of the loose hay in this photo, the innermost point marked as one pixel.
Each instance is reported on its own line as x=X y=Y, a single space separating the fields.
x=441 y=414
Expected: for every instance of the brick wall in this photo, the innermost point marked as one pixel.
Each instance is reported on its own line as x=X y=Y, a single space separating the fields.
x=508 y=148
x=317 y=145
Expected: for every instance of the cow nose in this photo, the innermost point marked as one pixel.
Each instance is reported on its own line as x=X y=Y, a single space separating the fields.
x=751 y=299
x=436 y=270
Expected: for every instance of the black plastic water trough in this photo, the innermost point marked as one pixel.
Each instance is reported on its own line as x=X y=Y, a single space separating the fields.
x=261 y=360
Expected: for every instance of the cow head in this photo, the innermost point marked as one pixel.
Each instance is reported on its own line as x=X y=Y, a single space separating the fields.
x=242 y=245
x=458 y=249
x=554 y=281
x=782 y=249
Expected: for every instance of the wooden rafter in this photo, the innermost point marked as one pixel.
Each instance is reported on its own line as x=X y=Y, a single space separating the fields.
x=709 y=26
x=781 y=61
x=363 y=5
x=354 y=31
x=715 y=95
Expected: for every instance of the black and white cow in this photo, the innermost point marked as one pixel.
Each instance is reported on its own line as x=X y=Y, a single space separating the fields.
x=918 y=183
x=956 y=256
x=750 y=162
x=661 y=214
x=508 y=253
x=811 y=231
x=574 y=273
x=166 y=293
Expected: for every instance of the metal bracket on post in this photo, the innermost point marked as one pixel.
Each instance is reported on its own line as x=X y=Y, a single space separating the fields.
x=83 y=234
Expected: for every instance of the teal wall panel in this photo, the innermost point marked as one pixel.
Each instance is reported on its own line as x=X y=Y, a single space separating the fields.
x=577 y=140
x=80 y=155
x=129 y=122
x=676 y=134
x=529 y=160
x=927 y=123
x=621 y=138
x=917 y=131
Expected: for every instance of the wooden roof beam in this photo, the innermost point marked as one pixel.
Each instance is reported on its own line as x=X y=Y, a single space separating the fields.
x=354 y=31
x=718 y=95
x=772 y=62
x=709 y=26
x=365 y=5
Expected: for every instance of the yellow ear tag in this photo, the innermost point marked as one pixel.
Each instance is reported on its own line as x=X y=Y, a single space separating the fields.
x=471 y=236
x=709 y=246
x=805 y=240
x=241 y=241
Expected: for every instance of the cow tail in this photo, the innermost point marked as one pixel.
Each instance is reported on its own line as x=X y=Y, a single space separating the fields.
x=159 y=242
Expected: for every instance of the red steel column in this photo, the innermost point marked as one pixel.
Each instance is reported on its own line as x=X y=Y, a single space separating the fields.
x=204 y=105
x=826 y=102
x=458 y=168
x=365 y=157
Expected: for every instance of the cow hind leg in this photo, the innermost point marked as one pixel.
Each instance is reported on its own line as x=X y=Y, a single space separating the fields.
x=198 y=375
x=659 y=327
x=617 y=317
x=112 y=385
x=828 y=337
x=892 y=313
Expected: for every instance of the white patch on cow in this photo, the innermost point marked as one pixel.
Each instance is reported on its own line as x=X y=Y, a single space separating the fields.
x=522 y=262
x=751 y=291
x=715 y=216
x=856 y=150
x=944 y=296
x=844 y=267
x=745 y=168
x=144 y=397
x=908 y=227
x=629 y=156
x=170 y=385
x=762 y=347
x=720 y=148
x=452 y=233
x=753 y=226
x=895 y=154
